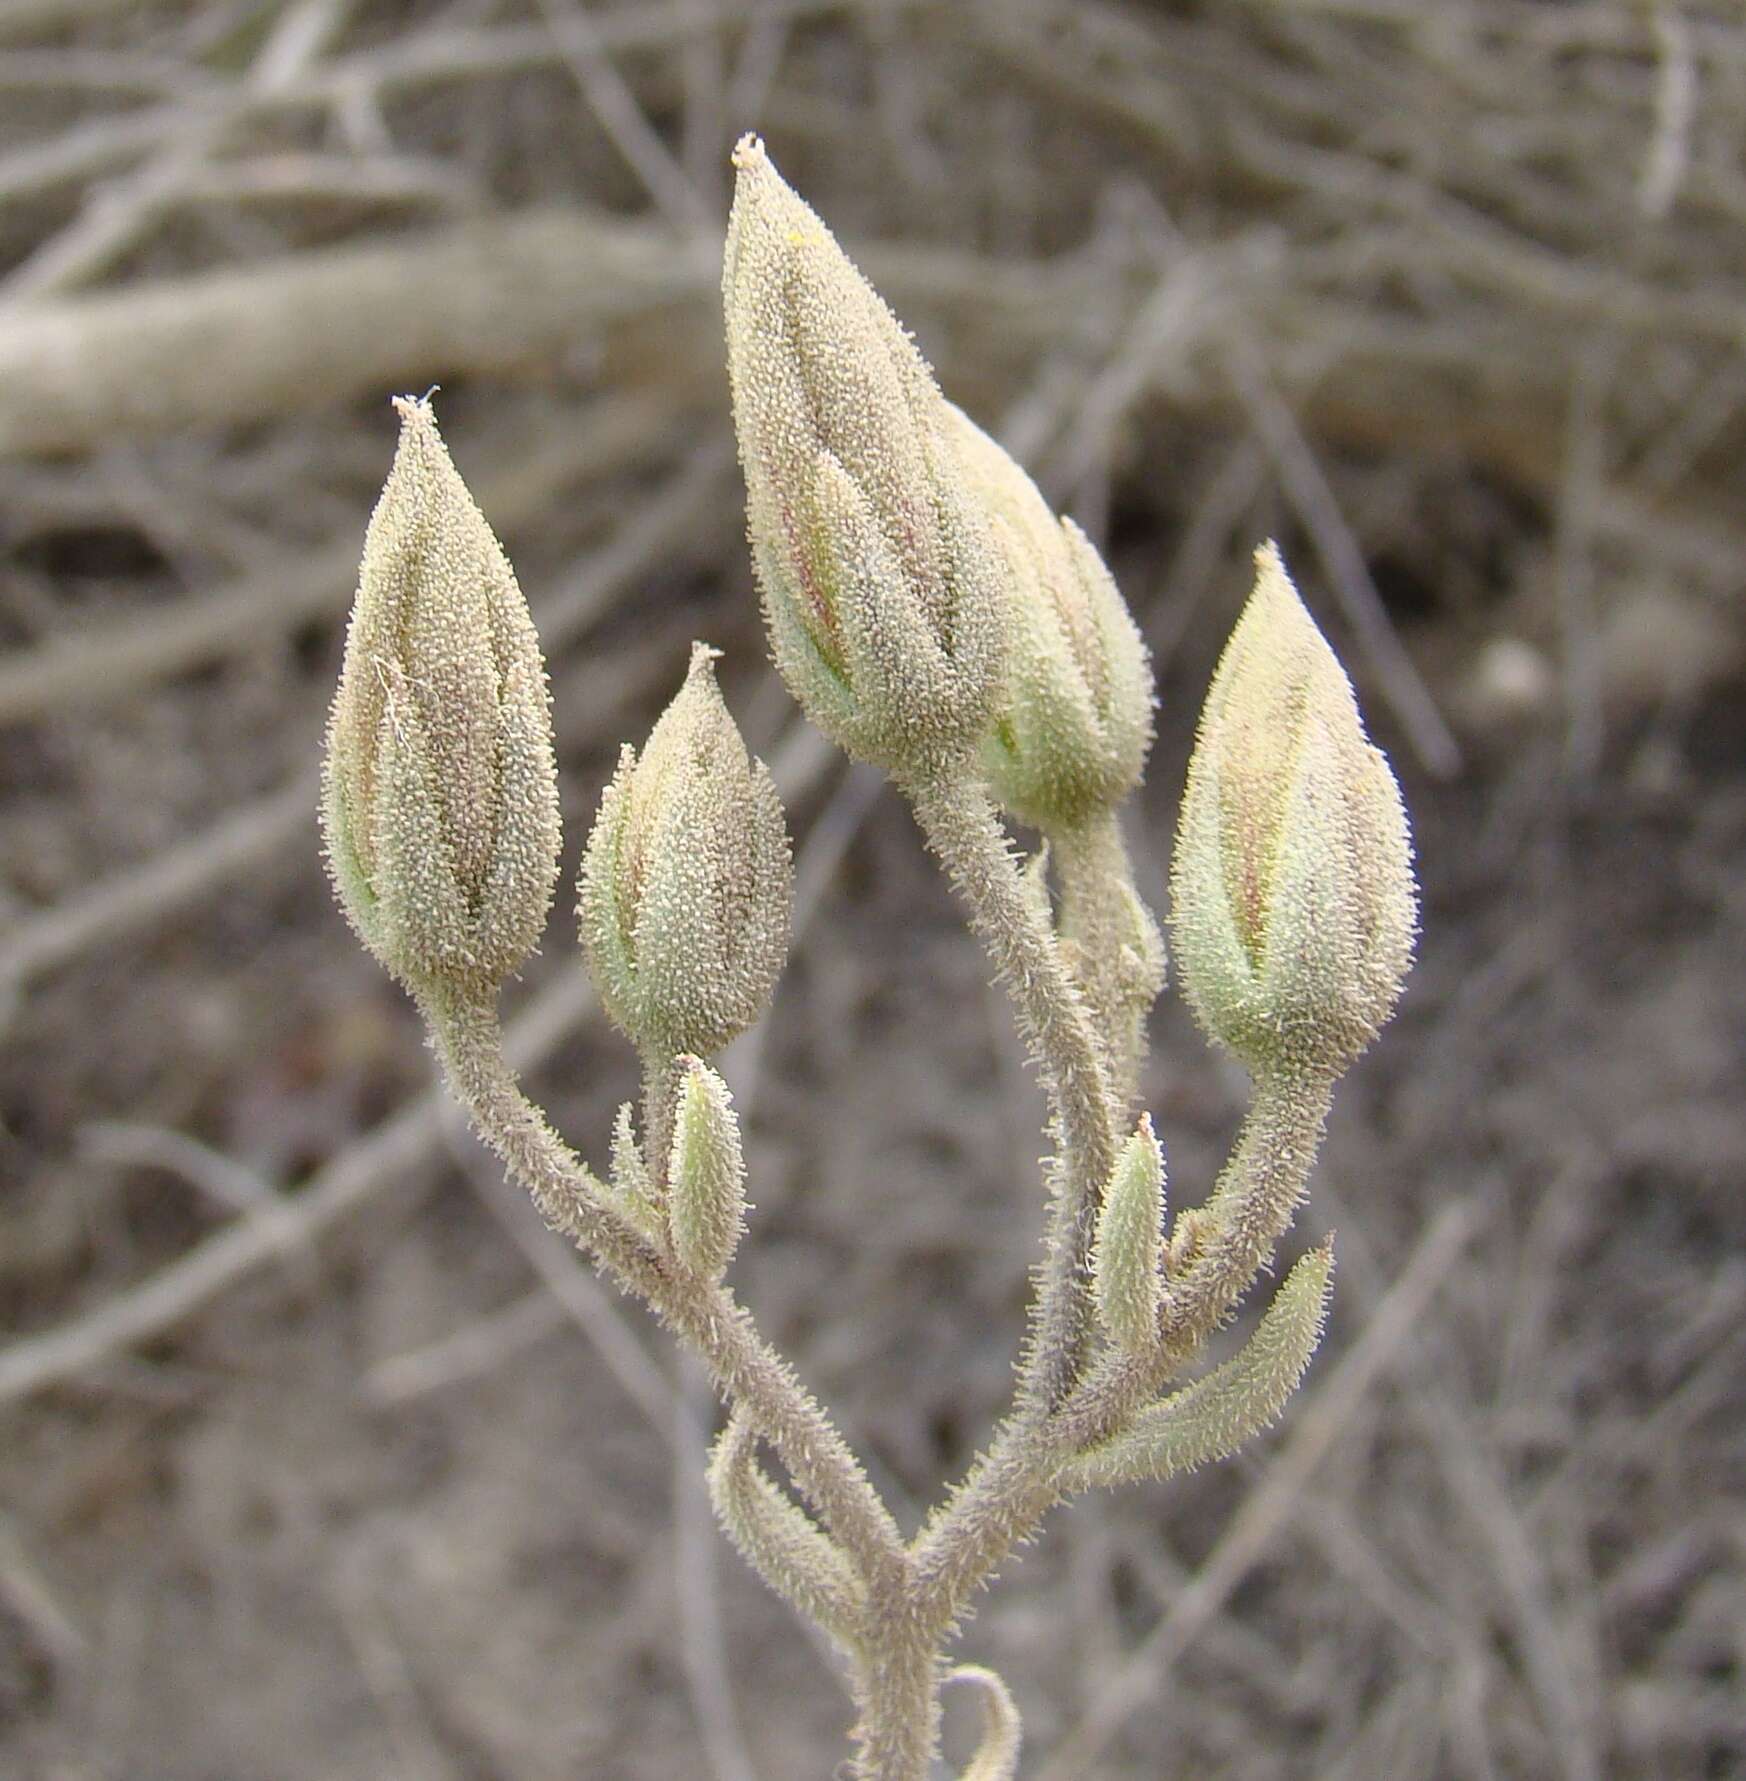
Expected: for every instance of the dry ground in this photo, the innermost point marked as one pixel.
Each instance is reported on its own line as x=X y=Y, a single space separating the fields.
x=319 y=1458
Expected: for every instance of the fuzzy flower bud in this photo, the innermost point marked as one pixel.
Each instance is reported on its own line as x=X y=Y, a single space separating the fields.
x=884 y=598
x=1076 y=722
x=686 y=882
x=439 y=796
x=1292 y=888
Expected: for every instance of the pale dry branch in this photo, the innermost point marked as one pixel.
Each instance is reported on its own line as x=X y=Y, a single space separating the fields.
x=136 y=900
x=1664 y=167
x=615 y=432
x=227 y=347
x=474 y=1351
x=499 y=297
x=117 y=217
x=569 y=1285
x=619 y=114
x=1307 y=487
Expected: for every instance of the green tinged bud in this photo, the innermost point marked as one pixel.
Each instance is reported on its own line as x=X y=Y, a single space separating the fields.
x=686 y=882
x=1293 y=902
x=884 y=598
x=1130 y=1244
x=706 y=1176
x=439 y=795
x=1075 y=725
x=1210 y=1419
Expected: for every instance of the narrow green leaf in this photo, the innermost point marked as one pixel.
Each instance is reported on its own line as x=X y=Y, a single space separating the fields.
x=996 y=1757
x=1214 y=1416
x=630 y=1174
x=780 y=1541
x=706 y=1177
x=1130 y=1244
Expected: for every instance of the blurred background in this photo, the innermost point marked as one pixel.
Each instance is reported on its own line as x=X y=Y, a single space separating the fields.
x=319 y=1458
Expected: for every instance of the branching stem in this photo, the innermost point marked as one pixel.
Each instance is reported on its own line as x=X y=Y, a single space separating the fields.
x=573 y=1200
x=1007 y=1493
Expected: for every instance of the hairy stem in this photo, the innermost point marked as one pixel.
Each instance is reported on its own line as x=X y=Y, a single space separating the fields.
x=1112 y=945
x=745 y=1369
x=962 y=828
x=897 y=1689
x=660 y=1101
x=1008 y=1492
x=1250 y=1208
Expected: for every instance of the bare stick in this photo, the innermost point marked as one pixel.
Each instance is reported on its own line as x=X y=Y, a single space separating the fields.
x=491 y=296
x=569 y=1282
x=138 y=899
x=1307 y=487
x=623 y=119
x=366 y=1169
x=123 y=213
x=475 y=1350
x=129 y=655
x=702 y=1641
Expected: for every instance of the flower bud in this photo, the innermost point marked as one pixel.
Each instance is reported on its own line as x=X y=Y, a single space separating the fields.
x=686 y=882
x=706 y=1174
x=439 y=795
x=883 y=596
x=1292 y=888
x=1075 y=724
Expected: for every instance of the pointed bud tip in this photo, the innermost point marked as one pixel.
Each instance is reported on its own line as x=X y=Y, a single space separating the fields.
x=702 y=661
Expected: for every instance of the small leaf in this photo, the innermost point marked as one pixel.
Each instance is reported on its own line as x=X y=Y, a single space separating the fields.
x=630 y=1174
x=1130 y=1244
x=706 y=1178
x=1214 y=1416
x=996 y=1757
x=780 y=1541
